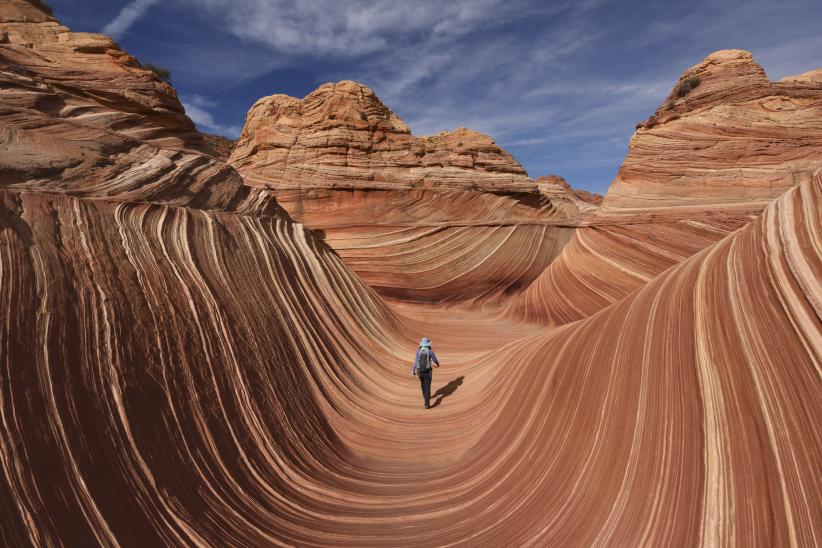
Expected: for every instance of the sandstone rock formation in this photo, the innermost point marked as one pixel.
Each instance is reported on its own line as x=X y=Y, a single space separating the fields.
x=734 y=138
x=342 y=136
x=220 y=146
x=60 y=84
x=547 y=182
x=183 y=364
x=701 y=167
x=442 y=218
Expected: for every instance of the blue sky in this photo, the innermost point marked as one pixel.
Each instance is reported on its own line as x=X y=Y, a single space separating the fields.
x=558 y=84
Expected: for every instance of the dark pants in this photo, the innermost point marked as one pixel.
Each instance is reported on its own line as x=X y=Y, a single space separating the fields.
x=425 y=383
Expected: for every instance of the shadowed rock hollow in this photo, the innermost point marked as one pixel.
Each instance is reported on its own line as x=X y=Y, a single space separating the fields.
x=184 y=362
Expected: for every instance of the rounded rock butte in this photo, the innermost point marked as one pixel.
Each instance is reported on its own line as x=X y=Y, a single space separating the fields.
x=203 y=352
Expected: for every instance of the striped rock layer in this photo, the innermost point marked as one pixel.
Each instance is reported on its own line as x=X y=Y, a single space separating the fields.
x=183 y=364
x=441 y=219
x=734 y=138
x=80 y=114
x=706 y=163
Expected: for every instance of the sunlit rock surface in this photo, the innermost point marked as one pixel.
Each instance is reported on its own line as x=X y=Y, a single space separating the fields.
x=735 y=137
x=701 y=167
x=342 y=136
x=446 y=218
x=183 y=364
x=81 y=115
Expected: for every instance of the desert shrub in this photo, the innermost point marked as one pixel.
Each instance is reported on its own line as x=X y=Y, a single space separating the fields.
x=162 y=73
x=685 y=87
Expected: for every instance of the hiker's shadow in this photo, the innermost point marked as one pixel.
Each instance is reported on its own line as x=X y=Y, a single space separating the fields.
x=445 y=391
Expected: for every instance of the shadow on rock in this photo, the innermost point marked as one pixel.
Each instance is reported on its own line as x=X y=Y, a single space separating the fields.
x=447 y=390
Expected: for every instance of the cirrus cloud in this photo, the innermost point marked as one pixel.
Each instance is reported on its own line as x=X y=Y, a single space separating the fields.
x=127 y=17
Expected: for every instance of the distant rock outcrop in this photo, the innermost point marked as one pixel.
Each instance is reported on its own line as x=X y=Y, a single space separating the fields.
x=555 y=180
x=219 y=145
x=437 y=218
x=341 y=136
x=724 y=135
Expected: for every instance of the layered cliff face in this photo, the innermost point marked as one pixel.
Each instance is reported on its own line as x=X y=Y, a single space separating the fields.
x=733 y=138
x=443 y=218
x=91 y=79
x=711 y=157
x=81 y=115
x=182 y=364
x=342 y=136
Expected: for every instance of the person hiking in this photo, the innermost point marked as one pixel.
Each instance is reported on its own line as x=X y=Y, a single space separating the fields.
x=422 y=368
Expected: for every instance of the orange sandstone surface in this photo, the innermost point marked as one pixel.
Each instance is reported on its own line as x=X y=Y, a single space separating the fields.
x=701 y=167
x=201 y=352
x=448 y=218
x=734 y=138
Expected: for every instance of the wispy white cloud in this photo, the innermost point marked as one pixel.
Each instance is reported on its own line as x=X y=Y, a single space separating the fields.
x=561 y=84
x=197 y=108
x=127 y=17
x=349 y=28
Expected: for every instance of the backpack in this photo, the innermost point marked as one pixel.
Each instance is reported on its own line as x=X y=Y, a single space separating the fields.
x=424 y=362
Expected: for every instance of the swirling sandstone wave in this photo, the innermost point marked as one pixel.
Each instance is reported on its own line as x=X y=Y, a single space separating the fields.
x=205 y=379
x=182 y=364
x=701 y=167
x=446 y=218
x=696 y=393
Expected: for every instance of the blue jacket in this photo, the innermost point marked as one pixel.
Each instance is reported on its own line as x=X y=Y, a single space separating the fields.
x=417 y=359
